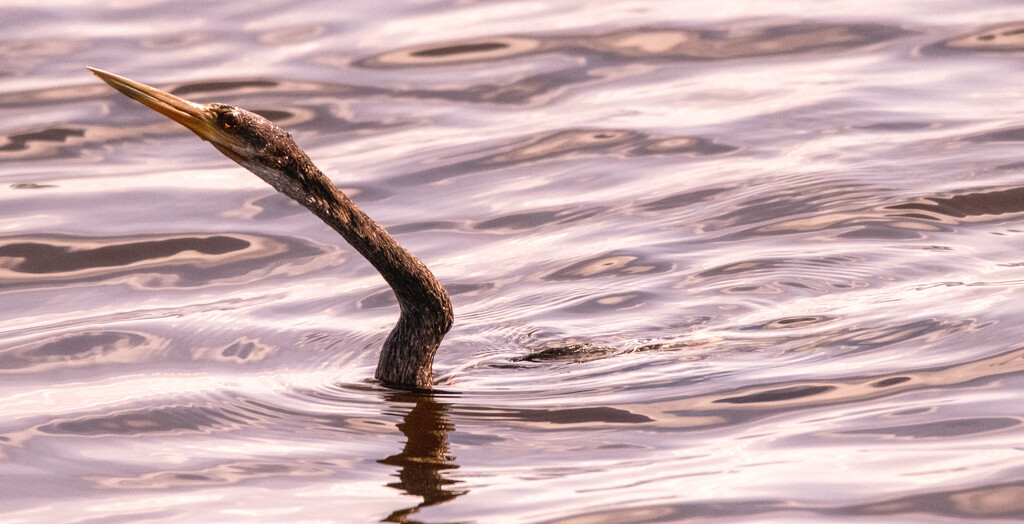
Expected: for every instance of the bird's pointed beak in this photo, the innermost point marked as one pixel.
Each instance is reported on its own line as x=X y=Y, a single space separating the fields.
x=197 y=117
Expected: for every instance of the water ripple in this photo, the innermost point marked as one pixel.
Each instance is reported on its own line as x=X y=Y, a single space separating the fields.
x=644 y=43
x=168 y=260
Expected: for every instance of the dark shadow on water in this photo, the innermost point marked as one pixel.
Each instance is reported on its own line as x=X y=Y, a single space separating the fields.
x=976 y=206
x=153 y=260
x=40 y=258
x=426 y=455
x=1007 y=37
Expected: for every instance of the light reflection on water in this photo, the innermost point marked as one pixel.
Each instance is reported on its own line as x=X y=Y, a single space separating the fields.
x=755 y=265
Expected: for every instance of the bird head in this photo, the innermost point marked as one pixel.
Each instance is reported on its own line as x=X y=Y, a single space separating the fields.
x=252 y=141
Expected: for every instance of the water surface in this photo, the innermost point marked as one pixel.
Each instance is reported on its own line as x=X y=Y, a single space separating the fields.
x=758 y=262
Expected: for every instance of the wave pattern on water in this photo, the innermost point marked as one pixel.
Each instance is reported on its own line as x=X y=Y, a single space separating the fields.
x=774 y=256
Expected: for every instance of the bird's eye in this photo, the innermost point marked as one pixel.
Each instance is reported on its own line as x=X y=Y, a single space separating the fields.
x=230 y=120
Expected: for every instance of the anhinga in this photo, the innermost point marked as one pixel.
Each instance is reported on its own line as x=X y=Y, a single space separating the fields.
x=263 y=148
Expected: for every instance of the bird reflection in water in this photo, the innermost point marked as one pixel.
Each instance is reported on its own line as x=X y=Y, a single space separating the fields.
x=426 y=455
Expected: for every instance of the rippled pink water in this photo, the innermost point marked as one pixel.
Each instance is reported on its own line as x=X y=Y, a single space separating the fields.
x=757 y=261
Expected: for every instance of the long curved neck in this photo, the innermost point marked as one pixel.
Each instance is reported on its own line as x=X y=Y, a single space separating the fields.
x=407 y=357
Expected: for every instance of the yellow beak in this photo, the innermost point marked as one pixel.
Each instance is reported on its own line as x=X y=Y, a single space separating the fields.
x=197 y=117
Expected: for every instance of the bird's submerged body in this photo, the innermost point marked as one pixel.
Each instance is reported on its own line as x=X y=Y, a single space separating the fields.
x=406 y=359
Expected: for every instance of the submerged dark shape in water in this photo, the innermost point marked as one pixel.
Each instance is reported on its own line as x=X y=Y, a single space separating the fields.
x=263 y=148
